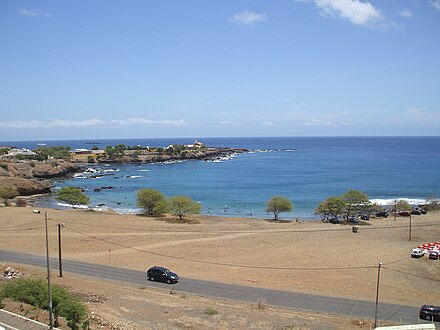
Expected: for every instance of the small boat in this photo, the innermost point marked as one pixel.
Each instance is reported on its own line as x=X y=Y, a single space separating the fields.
x=41 y=144
x=93 y=142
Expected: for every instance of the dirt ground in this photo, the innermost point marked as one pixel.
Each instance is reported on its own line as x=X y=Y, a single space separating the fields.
x=310 y=257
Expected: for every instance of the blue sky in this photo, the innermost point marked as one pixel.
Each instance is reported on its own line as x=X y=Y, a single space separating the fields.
x=185 y=68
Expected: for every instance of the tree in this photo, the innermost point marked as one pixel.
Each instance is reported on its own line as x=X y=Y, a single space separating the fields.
x=333 y=206
x=400 y=205
x=72 y=195
x=432 y=204
x=355 y=202
x=278 y=204
x=152 y=201
x=181 y=205
x=8 y=193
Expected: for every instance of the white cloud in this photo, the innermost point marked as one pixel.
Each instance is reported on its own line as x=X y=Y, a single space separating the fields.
x=248 y=18
x=144 y=121
x=269 y=123
x=229 y=123
x=33 y=12
x=317 y=122
x=421 y=116
x=435 y=4
x=52 y=123
x=405 y=12
x=356 y=11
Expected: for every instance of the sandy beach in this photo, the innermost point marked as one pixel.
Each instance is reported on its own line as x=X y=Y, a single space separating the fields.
x=309 y=257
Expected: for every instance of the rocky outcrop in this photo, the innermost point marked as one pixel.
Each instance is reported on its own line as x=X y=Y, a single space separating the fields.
x=53 y=170
x=26 y=187
x=27 y=176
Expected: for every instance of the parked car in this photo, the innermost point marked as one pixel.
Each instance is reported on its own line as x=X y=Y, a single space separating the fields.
x=434 y=255
x=417 y=253
x=405 y=214
x=333 y=220
x=430 y=313
x=353 y=219
x=382 y=214
x=365 y=217
x=416 y=212
x=162 y=274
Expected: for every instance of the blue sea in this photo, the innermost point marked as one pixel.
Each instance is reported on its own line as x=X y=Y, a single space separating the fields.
x=307 y=170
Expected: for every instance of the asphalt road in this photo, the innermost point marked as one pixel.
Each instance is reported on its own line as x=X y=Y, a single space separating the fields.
x=292 y=300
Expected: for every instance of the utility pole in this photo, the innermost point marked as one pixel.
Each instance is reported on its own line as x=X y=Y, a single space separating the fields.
x=395 y=209
x=377 y=294
x=49 y=291
x=59 y=249
x=409 y=227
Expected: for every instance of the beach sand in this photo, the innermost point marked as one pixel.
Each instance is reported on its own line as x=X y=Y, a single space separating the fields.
x=310 y=257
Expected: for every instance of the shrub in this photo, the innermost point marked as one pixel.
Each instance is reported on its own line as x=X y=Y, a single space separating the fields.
x=4 y=166
x=211 y=311
x=34 y=292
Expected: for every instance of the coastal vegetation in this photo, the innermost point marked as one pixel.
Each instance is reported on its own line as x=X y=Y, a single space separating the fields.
x=348 y=204
x=181 y=205
x=8 y=192
x=72 y=195
x=432 y=203
x=155 y=203
x=34 y=292
x=152 y=201
x=399 y=206
x=278 y=204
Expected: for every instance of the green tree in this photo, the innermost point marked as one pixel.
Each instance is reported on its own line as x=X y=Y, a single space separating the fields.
x=152 y=201
x=8 y=193
x=400 y=205
x=72 y=195
x=331 y=207
x=181 y=205
x=355 y=202
x=278 y=204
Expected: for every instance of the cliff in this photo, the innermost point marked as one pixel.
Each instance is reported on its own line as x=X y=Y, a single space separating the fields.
x=29 y=177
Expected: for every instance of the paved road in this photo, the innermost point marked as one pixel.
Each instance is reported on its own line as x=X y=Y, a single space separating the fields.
x=292 y=300
x=11 y=321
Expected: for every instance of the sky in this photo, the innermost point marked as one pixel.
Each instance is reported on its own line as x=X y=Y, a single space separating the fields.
x=96 y=69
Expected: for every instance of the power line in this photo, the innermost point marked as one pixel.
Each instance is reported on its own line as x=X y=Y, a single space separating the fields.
x=262 y=232
x=219 y=263
x=21 y=225
x=414 y=275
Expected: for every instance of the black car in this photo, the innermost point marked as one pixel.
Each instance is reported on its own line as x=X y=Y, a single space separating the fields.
x=382 y=214
x=430 y=312
x=162 y=274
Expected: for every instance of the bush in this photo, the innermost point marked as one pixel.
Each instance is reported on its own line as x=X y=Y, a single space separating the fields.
x=152 y=201
x=4 y=166
x=34 y=292
x=211 y=311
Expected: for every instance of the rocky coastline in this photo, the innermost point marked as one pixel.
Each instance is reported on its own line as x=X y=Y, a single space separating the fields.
x=31 y=177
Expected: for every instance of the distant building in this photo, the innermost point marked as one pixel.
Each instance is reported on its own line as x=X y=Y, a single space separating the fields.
x=197 y=144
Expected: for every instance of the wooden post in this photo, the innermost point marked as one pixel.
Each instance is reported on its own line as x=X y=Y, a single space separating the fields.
x=377 y=295
x=59 y=250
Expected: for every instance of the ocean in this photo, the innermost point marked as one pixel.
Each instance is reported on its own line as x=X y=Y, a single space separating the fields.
x=307 y=170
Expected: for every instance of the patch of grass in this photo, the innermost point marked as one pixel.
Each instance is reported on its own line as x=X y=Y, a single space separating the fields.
x=211 y=311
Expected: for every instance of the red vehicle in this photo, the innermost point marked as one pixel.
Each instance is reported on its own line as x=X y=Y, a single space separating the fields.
x=405 y=214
